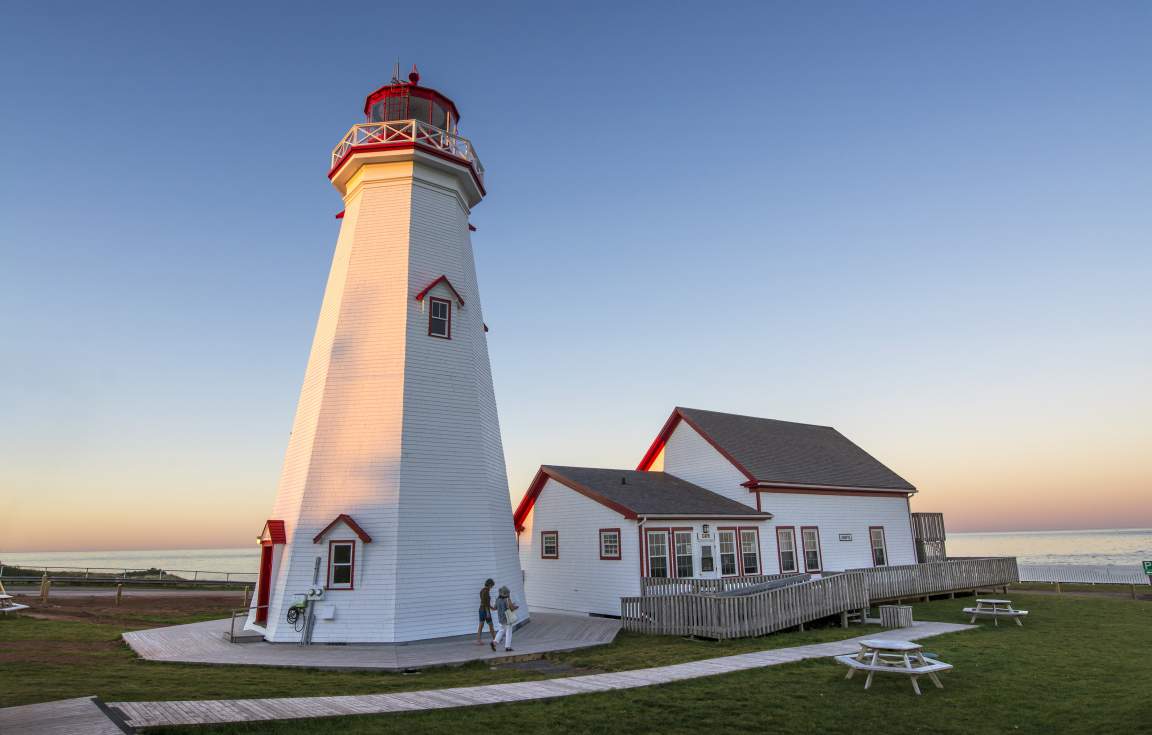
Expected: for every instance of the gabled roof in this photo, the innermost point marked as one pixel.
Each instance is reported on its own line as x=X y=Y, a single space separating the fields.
x=347 y=521
x=773 y=453
x=442 y=279
x=636 y=494
x=274 y=532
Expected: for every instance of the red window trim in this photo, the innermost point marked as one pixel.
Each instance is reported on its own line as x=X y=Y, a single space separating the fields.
x=872 y=549
x=720 y=556
x=671 y=531
x=549 y=533
x=431 y=306
x=759 y=551
x=619 y=543
x=795 y=550
x=819 y=548
x=352 y=571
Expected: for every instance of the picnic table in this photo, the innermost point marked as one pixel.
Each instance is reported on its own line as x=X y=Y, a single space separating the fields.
x=885 y=656
x=995 y=609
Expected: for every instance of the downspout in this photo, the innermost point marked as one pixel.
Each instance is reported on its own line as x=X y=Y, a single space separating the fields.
x=640 y=521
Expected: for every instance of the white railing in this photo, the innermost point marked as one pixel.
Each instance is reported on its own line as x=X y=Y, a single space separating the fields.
x=408 y=131
x=1083 y=573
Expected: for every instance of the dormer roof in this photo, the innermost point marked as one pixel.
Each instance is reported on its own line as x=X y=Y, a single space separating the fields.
x=347 y=521
x=441 y=280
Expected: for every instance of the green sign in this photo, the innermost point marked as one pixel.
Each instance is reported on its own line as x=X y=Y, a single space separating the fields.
x=1148 y=568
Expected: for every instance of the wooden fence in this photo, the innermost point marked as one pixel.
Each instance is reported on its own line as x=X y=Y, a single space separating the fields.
x=954 y=575
x=664 y=586
x=742 y=616
x=699 y=610
x=1084 y=573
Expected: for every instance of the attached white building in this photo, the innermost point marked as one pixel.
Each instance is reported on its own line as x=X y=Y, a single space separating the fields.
x=716 y=495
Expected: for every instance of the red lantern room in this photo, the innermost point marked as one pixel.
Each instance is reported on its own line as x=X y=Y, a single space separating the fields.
x=409 y=101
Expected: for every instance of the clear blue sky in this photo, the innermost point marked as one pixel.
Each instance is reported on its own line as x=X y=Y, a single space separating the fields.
x=927 y=224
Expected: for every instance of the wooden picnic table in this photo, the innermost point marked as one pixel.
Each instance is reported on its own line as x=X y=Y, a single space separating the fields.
x=995 y=609
x=887 y=656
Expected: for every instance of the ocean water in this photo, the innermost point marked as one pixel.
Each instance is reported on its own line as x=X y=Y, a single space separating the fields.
x=1124 y=546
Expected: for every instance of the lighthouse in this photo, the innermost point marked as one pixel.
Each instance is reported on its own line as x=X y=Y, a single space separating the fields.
x=392 y=507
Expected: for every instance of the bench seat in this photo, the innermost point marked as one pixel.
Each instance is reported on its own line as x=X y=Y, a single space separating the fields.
x=976 y=612
x=12 y=608
x=931 y=670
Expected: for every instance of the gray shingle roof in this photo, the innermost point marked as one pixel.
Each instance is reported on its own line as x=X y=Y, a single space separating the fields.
x=651 y=493
x=789 y=453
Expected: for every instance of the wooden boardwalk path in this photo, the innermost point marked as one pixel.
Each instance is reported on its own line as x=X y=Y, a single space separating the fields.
x=82 y=716
x=204 y=643
x=149 y=714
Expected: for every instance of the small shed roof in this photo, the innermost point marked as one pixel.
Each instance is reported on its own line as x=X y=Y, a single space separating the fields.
x=770 y=452
x=636 y=494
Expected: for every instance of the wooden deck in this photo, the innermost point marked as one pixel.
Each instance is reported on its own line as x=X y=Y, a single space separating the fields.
x=81 y=716
x=151 y=714
x=204 y=643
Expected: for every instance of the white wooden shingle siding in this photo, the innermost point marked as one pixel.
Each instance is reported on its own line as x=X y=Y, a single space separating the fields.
x=396 y=428
x=578 y=580
x=689 y=456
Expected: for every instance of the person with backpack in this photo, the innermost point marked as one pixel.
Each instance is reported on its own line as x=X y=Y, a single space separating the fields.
x=505 y=619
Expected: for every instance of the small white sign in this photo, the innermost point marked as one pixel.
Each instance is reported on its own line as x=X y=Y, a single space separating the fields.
x=845 y=537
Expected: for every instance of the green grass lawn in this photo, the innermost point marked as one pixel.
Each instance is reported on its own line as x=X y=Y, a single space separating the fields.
x=1080 y=664
x=61 y=659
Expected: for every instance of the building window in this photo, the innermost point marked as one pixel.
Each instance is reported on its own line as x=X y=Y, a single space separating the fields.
x=728 y=553
x=810 y=538
x=341 y=564
x=549 y=544
x=657 y=554
x=707 y=561
x=750 y=550
x=786 y=544
x=440 y=318
x=879 y=548
x=684 y=556
x=610 y=543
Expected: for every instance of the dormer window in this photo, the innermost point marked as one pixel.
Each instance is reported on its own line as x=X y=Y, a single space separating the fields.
x=440 y=318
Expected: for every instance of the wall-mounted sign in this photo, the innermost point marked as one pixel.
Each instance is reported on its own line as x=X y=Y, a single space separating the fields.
x=1148 y=568
x=845 y=537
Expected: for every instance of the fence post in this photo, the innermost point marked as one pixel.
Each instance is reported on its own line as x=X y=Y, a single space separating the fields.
x=119 y=593
x=247 y=592
x=45 y=588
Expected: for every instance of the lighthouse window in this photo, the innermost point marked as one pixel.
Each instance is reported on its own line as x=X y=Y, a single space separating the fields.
x=439 y=116
x=341 y=562
x=440 y=318
x=420 y=109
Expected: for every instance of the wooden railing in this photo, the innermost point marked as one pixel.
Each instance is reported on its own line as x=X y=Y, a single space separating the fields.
x=664 y=586
x=417 y=132
x=696 y=607
x=759 y=613
x=933 y=578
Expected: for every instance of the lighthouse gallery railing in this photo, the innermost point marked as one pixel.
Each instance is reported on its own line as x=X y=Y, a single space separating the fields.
x=407 y=131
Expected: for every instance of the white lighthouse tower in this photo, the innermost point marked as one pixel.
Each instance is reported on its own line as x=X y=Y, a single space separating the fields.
x=393 y=502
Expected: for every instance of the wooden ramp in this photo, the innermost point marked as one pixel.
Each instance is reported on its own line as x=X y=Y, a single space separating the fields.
x=152 y=714
x=83 y=716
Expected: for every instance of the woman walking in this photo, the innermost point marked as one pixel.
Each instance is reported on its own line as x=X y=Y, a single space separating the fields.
x=505 y=619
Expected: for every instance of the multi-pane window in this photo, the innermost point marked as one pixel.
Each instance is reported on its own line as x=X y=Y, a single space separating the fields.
x=609 y=543
x=707 y=561
x=684 y=559
x=750 y=550
x=341 y=562
x=879 y=547
x=549 y=544
x=810 y=538
x=786 y=543
x=440 y=318
x=657 y=553
x=728 y=553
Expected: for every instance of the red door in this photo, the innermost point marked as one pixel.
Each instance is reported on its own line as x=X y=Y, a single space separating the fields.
x=264 y=584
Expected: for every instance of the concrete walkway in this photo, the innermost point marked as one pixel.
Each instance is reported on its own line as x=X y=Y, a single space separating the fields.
x=204 y=643
x=149 y=714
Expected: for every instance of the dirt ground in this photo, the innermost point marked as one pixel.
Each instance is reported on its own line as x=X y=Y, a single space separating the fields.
x=135 y=610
